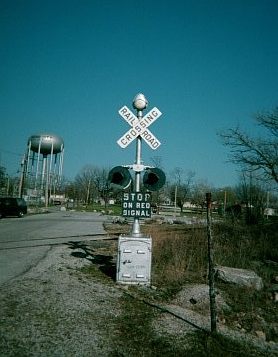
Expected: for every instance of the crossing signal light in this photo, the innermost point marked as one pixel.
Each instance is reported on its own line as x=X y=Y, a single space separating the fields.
x=154 y=179
x=120 y=177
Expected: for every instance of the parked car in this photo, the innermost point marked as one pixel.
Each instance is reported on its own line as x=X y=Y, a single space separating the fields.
x=12 y=206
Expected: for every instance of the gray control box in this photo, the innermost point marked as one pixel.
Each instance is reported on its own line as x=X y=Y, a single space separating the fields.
x=134 y=260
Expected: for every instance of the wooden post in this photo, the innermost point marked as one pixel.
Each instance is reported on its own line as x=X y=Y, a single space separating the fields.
x=211 y=271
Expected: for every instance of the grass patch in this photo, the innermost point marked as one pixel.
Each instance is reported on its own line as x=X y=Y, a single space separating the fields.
x=135 y=335
x=114 y=210
x=179 y=257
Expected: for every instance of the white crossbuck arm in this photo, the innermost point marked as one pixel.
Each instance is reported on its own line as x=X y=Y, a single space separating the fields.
x=139 y=127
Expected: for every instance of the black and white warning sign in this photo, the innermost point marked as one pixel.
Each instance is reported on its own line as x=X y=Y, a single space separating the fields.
x=136 y=204
x=139 y=127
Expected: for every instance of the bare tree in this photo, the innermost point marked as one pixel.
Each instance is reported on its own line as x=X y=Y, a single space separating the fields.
x=84 y=182
x=181 y=187
x=71 y=190
x=198 y=194
x=269 y=120
x=254 y=197
x=100 y=179
x=157 y=161
x=2 y=179
x=92 y=183
x=256 y=153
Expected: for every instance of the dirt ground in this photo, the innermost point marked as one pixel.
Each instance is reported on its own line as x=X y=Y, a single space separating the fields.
x=70 y=305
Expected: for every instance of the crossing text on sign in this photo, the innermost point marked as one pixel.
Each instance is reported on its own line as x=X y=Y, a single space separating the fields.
x=132 y=134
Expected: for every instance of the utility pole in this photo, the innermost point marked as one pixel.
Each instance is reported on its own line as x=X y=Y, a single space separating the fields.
x=22 y=176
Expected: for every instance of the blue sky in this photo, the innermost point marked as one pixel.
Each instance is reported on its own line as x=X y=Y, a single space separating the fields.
x=67 y=67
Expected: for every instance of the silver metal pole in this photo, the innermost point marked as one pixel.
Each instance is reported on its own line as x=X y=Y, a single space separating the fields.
x=21 y=177
x=136 y=226
x=43 y=170
x=176 y=191
x=61 y=163
x=38 y=162
x=55 y=176
x=46 y=181
x=50 y=176
x=28 y=158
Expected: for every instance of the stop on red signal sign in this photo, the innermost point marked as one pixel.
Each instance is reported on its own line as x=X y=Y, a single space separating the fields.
x=136 y=204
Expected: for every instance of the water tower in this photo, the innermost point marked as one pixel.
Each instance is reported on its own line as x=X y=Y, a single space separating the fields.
x=44 y=165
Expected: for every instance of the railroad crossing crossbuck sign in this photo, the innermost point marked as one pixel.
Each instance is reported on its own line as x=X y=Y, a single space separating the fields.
x=139 y=127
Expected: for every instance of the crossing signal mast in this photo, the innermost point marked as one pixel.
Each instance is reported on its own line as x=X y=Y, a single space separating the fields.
x=135 y=250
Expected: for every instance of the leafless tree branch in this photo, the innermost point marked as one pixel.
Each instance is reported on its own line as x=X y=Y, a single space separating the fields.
x=256 y=154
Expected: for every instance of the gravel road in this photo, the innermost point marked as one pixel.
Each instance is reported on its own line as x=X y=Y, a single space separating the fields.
x=57 y=309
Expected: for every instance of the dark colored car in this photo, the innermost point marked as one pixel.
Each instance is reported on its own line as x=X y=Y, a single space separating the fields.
x=12 y=206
